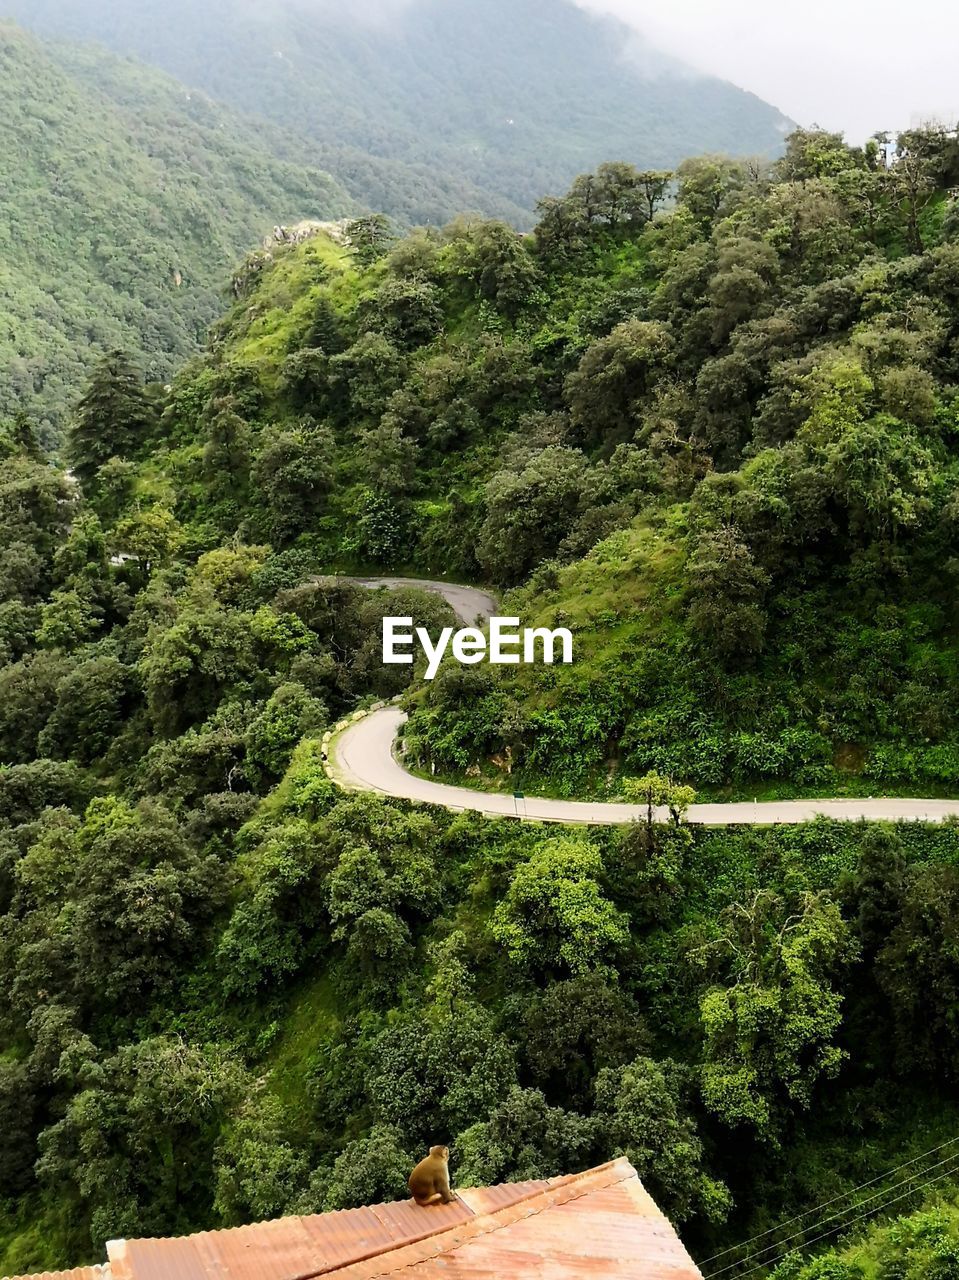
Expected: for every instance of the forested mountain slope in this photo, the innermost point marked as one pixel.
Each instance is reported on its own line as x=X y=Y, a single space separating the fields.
x=427 y=108
x=720 y=443
x=124 y=203
x=230 y=992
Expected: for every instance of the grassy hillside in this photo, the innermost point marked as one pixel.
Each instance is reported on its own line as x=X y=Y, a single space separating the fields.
x=428 y=108
x=125 y=203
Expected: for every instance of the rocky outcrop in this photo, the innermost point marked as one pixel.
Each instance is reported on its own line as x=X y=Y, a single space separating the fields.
x=306 y=230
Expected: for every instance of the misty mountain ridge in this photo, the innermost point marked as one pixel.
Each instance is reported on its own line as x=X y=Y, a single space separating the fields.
x=125 y=202
x=425 y=108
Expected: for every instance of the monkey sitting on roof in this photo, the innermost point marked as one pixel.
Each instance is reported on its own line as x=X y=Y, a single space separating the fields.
x=430 y=1180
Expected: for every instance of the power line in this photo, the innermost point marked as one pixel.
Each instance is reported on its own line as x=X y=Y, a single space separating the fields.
x=841 y=1226
x=845 y=1226
x=877 y=1195
x=826 y=1203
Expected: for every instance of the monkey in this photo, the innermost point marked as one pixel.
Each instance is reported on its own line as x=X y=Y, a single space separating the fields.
x=430 y=1180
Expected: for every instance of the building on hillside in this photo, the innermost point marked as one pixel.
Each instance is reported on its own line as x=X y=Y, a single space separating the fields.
x=596 y=1224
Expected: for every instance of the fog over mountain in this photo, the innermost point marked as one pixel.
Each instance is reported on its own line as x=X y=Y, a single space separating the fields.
x=366 y=12
x=423 y=108
x=851 y=66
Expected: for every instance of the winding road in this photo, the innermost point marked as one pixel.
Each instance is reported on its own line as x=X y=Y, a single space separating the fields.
x=362 y=757
x=468 y=603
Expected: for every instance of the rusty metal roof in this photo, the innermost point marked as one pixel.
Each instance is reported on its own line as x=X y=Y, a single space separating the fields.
x=601 y=1223
x=596 y=1224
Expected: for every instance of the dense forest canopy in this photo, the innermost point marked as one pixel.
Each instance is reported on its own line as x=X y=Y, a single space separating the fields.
x=107 y=236
x=708 y=420
x=430 y=107
x=229 y=991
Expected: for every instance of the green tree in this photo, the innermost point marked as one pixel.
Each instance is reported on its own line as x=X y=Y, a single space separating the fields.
x=770 y=1024
x=408 y=312
x=369 y=1170
x=93 y=702
x=28 y=696
x=113 y=419
x=108 y=910
x=529 y=512
x=187 y=667
x=727 y=592
x=382 y=529
x=496 y=262
x=150 y=535
x=135 y=1144
x=655 y=856
x=69 y=620
x=18 y=626
x=23 y=574
x=259 y=1170
x=555 y=917
x=283 y=903
x=293 y=473
x=918 y=971
x=25 y=438
x=524 y=1138
x=37 y=504
x=708 y=185
x=573 y=1029
x=115 y=485
x=643 y=1116
x=291 y=714
x=433 y=1079
x=657 y=792
x=227 y=452
x=27 y=789
x=370 y=237
x=816 y=153
x=614 y=379
x=18 y=1114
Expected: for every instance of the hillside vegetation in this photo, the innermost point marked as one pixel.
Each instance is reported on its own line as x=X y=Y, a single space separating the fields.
x=718 y=439
x=755 y=452
x=124 y=204
x=429 y=107
x=230 y=992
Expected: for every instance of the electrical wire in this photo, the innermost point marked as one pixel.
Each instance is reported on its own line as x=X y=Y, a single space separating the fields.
x=877 y=1195
x=826 y=1203
x=844 y=1226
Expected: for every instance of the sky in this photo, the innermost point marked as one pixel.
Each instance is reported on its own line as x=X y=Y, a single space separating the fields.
x=851 y=65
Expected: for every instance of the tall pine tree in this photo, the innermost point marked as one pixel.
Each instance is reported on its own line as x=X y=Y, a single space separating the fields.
x=112 y=419
x=25 y=438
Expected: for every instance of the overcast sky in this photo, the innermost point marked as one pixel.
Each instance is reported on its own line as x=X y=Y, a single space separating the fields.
x=844 y=64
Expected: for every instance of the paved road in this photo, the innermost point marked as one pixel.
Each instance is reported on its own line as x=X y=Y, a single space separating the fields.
x=361 y=759
x=468 y=603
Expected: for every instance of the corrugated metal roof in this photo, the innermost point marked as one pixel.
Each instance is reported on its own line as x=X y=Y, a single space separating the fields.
x=488 y=1199
x=600 y=1223
x=290 y=1247
x=596 y=1224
